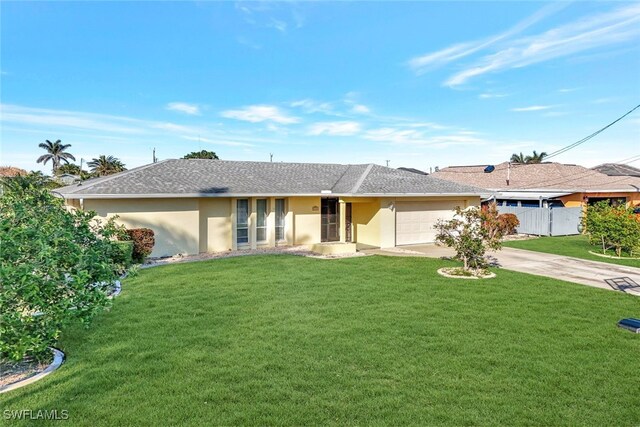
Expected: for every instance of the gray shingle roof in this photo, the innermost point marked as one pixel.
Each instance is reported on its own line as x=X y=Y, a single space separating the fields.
x=616 y=169
x=211 y=178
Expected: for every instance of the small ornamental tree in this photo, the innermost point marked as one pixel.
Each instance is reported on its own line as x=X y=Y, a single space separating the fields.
x=470 y=233
x=56 y=266
x=613 y=227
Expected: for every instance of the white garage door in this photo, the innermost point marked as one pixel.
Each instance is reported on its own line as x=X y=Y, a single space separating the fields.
x=415 y=220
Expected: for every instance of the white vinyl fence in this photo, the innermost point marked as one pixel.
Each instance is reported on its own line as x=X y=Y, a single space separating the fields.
x=546 y=221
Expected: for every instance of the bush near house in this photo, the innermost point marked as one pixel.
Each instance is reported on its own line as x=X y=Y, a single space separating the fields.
x=614 y=228
x=143 y=241
x=56 y=266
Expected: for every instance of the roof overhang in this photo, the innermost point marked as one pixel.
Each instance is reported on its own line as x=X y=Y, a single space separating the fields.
x=77 y=196
x=527 y=195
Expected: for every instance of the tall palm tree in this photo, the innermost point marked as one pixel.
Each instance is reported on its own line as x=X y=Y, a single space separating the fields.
x=106 y=165
x=56 y=153
x=521 y=158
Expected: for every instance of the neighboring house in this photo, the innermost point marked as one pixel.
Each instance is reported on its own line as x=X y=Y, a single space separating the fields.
x=214 y=205
x=10 y=172
x=67 y=178
x=418 y=171
x=545 y=184
x=616 y=169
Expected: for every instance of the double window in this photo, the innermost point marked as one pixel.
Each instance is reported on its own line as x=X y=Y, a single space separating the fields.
x=262 y=212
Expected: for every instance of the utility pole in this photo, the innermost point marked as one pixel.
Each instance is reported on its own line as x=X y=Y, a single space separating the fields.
x=271 y=157
x=155 y=159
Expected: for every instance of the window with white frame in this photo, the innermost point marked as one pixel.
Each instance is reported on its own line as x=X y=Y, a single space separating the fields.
x=242 y=223
x=280 y=214
x=261 y=220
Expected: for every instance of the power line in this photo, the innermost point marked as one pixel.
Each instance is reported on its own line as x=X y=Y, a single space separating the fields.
x=587 y=138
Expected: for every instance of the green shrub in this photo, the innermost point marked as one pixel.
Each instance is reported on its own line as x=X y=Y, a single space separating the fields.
x=123 y=253
x=56 y=265
x=143 y=241
x=613 y=227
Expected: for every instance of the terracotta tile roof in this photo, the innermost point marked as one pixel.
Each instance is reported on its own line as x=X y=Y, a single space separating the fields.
x=547 y=176
x=10 y=171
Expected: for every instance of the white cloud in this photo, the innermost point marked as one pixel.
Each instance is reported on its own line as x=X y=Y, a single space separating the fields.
x=423 y=63
x=260 y=113
x=418 y=137
x=346 y=128
x=360 y=109
x=218 y=141
x=311 y=106
x=532 y=108
x=183 y=107
x=620 y=25
x=489 y=95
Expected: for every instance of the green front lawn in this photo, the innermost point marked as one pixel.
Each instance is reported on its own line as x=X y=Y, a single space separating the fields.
x=574 y=246
x=284 y=340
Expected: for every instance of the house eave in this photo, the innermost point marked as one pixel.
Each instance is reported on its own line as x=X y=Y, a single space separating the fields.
x=77 y=196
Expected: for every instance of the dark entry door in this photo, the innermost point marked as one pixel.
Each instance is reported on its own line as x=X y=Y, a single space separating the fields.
x=329 y=220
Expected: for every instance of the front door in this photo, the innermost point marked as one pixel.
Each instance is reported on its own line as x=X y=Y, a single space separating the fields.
x=329 y=220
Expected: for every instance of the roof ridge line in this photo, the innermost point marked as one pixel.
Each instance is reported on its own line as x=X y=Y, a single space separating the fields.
x=364 y=175
x=79 y=185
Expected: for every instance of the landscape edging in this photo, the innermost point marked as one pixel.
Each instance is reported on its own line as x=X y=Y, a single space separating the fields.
x=58 y=360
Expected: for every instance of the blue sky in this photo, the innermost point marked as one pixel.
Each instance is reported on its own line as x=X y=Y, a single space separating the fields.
x=421 y=84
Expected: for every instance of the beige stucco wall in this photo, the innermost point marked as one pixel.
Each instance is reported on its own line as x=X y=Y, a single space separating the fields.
x=190 y=226
x=215 y=225
x=374 y=219
x=175 y=222
x=305 y=214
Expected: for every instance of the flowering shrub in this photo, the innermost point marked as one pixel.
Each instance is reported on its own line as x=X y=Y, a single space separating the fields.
x=143 y=241
x=56 y=265
x=471 y=232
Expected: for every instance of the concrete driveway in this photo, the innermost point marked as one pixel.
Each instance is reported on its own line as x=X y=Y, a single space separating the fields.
x=585 y=272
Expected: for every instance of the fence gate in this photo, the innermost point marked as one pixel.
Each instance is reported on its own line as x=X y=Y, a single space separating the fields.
x=545 y=221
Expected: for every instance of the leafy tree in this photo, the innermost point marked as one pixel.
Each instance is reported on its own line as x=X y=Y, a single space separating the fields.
x=522 y=159
x=56 y=152
x=470 y=233
x=613 y=227
x=204 y=154
x=56 y=266
x=73 y=169
x=106 y=165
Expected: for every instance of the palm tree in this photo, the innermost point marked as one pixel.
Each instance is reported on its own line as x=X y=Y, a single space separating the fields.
x=536 y=158
x=106 y=165
x=518 y=158
x=56 y=153
x=521 y=158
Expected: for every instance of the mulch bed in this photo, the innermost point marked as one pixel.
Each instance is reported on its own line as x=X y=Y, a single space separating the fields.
x=11 y=372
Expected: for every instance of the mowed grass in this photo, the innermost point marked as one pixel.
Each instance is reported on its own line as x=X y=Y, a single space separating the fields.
x=574 y=246
x=284 y=340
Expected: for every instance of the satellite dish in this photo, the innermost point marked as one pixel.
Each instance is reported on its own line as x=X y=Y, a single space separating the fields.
x=489 y=169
